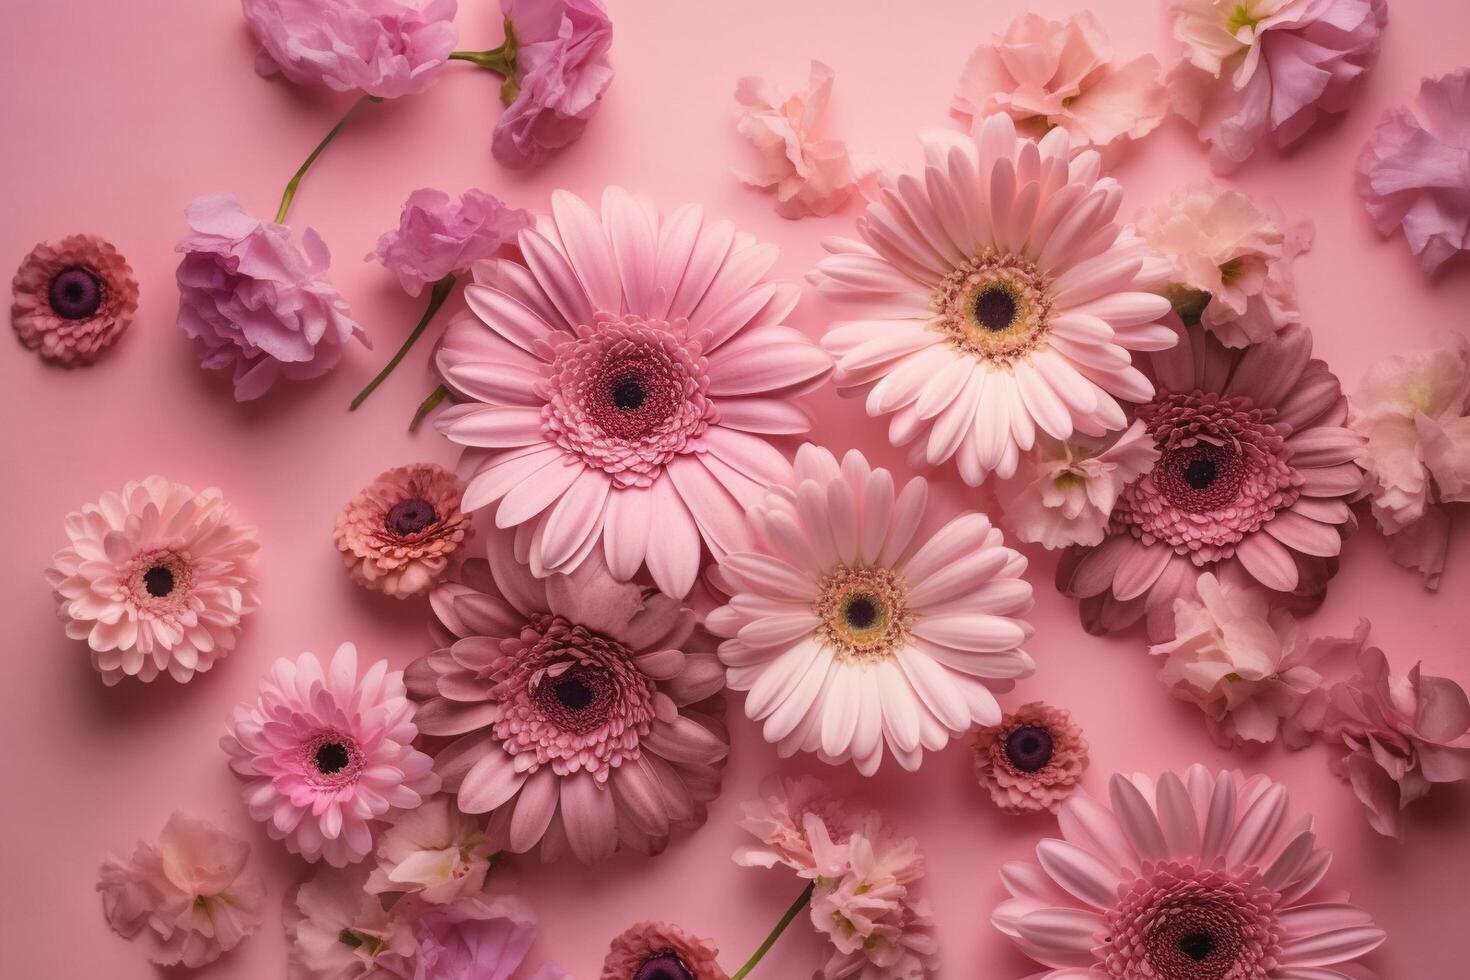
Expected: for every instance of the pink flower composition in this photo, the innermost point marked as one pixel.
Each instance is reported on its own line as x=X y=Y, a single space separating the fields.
x=437 y=236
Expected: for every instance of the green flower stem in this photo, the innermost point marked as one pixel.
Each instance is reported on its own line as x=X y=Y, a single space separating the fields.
x=501 y=60
x=437 y=297
x=765 y=947
x=300 y=173
x=428 y=405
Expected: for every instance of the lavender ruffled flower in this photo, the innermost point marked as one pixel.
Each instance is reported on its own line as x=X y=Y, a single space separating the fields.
x=437 y=235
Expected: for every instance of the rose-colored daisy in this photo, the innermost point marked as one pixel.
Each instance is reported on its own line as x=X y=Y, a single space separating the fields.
x=1188 y=878
x=849 y=630
x=398 y=534
x=1032 y=760
x=1253 y=483
x=156 y=578
x=73 y=299
x=582 y=709
x=999 y=297
x=661 y=951
x=327 y=754
x=622 y=384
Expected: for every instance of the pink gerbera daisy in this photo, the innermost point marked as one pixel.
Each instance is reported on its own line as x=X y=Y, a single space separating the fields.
x=1192 y=878
x=328 y=753
x=583 y=709
x=850 y=630
x=1000 y=297
x=622 y=384
x=1253 y=483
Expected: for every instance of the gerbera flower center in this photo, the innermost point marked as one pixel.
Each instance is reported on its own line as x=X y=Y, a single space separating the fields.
x=1197 y=945
x=663 y=966
x=628 y=394
x=997 y=306
x=76 y=293
x=410 y=516
x=159 y=581
x=1029 y=748
x=331 y=759
x=863 y=612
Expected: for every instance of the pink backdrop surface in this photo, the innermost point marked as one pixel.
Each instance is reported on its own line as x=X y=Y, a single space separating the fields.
x=116 y=114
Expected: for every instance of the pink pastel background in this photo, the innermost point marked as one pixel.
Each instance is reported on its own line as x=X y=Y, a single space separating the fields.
x=116 y=114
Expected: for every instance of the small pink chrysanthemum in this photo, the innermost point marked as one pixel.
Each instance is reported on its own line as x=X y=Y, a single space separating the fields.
x=622 y=385
x=661 y=951
x=156 y=578
x=1204 y=876
x=73 y=299
x=432 y=851
x=398 y=535
x=326 y=754
x=1000 y=298
x=1032 y=760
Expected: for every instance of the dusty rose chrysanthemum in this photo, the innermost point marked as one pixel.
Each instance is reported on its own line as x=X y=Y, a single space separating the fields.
x=434 y=852
x=583 y=710
x=1204 y=876
x=1001 y=298
x=1232 y=261
x=621 y=387
x=328 y=753
x=437 y=236
x=778 y=820
x=337 y=930
x=398 y=535
x=661 y=951
x=193 y=890
x=155 y=578
x=1032 y=760
x=1253 y=483
x=850 y=630
x=1061 y=73
x=73 y=299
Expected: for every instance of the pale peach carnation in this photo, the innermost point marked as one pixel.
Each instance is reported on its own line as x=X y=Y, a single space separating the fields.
x=73 y=299
x=779 y=818
x=337 y=930
x=1232 y=261
x=1061 y=73
x=398 y=535
x=433 y=851
x=193 y=890
x=649 y=950
x=1032 y=760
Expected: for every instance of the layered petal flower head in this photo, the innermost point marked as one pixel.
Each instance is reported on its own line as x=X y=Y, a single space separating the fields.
x=73 y=299
x=193 y=890
x=382 y=48
x=479 y=938
x=1204 y=875
x=437 y=236
x=155 y=578
x=850 y=630
x=1032 y=760
x=1061 y=73
x=1232 y=261
x=622 y=383
x=338 y=930
x=1255 y=69
x=398 y=535
x=810 y=174
x=1414 y=173
x=1399 y=735
x=326 y=754
x=434 y=852
x=1065 y=492
x=583 y=711
x=661 y=951
x=781 y=820
x=1253 y=483
x=254 y=302
x=1000 y=298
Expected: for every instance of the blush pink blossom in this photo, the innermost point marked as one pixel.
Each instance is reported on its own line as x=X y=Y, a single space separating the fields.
x=1032 y=760
x=434 y=852
x=437 y=235
x=485 y=937
x=1414 y=172
x=254 y=302
x=1269 y=68
x=338 y=930
x=1061 y=73
x=382 y=48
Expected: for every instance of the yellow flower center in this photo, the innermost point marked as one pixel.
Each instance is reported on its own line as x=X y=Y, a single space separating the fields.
x=863 y=612
x=995 y=306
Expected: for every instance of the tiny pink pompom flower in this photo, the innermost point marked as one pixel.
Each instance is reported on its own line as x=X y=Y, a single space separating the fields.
x=382 y=48
x=661 y=951
x=73 y=299
x=1032 y=760
x=437 y=236
x=399 y=534
x=193 y=890
x=327 y=754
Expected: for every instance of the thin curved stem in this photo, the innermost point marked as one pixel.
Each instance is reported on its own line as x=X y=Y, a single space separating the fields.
x=295 y=181
x=428 y=405
x=437 y=297
x=765 y=947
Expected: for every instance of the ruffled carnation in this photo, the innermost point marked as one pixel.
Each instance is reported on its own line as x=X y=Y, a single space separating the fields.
x=1414 y=172
x=1061 y=73
x=383 y=48
x=779 y=821
x=481 y=938
x=337 y=930
x=1269 y=67
x=434 y=852
x=661 y=951
x=1032 y=760
x=398 y=535
x=437 y=236
x=1232 y=261
x=155 y=578
x=253 y=302
x=73 y=299
x=193 y=890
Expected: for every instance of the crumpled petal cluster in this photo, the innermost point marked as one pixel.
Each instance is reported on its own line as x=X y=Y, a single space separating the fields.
x=437 y=235
x=434 y=852
x=1032 y=760
x=658 y=950
x=778 y=820
x=72 y=299
x=399 y=533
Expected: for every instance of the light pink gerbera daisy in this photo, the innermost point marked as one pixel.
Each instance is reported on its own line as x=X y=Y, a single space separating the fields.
x=583 y=710
x=622 y=385
x=1000 y=297
x=328 y=753
x=1188 y=878
x=156 y=578
x=849 y=630
x=1253 y=483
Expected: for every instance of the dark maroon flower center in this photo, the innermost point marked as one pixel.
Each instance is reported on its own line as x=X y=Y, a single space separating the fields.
x=1197 y=945
x=159 y=581
x=995 y=309
x=1029 y=748
x=639 y=391
x=663 y=966
x=628 y=394
x=75 y=293
x=861 y=613
x=1201 y=478
x=578 y=700
x=411 y=516
x=332 y=758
